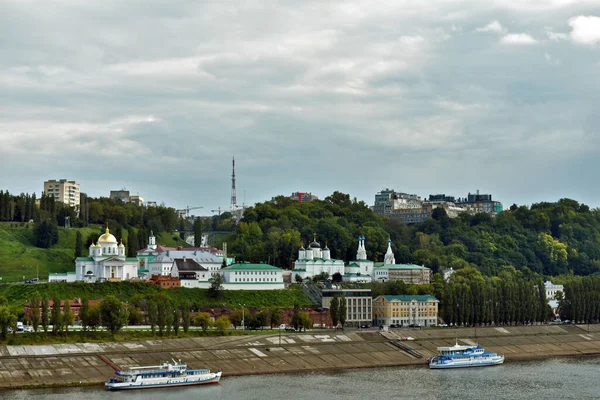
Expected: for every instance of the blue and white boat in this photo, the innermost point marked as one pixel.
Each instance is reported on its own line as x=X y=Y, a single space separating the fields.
x=464 y=356
x=159 y=376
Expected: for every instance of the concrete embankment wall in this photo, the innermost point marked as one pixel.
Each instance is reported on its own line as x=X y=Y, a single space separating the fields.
x=75 y=364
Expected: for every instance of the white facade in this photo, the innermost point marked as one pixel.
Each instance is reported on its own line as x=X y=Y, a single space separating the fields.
x=106 y=261
x=313 y=261
x=551 y=290
x=246 y=276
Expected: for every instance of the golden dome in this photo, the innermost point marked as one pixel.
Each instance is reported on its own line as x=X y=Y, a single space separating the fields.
x=121 y=244
x=107 y=237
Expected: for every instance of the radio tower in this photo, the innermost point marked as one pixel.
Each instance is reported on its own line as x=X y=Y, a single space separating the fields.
x=233 y=200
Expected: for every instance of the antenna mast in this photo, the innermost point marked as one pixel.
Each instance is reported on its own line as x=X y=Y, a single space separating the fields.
x=233 y=199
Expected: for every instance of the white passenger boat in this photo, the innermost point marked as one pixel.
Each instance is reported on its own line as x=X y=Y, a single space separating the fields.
x=464 y=356
x=164 y=375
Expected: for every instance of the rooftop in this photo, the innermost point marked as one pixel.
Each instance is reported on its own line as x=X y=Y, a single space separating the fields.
x=250 y=267
x=407 y=298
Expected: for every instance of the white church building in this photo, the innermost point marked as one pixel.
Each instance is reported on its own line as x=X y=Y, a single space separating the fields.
x=106 y=262
x=313 y=261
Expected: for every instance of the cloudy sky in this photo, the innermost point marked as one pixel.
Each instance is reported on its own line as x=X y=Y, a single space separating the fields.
x=438 y=96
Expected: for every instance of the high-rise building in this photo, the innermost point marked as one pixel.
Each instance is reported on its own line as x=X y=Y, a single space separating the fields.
x=481 y=203
x=63 y=191
x=303 y=197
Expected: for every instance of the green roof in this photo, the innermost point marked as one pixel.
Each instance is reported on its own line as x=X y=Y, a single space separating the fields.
x=131 y=259
x=84 y=259
x=407 y=298
x=299 y=269
x=142 y=270
x=250 y=267
x=62 y=273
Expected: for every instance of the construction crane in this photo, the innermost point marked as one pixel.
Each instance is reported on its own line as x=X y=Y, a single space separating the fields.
x=186 y=211
x=219 y=210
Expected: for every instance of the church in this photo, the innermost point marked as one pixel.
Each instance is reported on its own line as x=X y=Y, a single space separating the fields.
x=106 y=262
x=314 y=260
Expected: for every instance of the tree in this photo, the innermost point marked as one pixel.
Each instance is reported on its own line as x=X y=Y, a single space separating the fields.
x=113 y=314
x=56 y=315
x=84 y=313
x=203 y=320
x=67 y=317
x=342 y=311
x=152 y=315
x=136 y=316
x=44 y=313
x=298 y=278
x=276 y=316
x=34 y=305
x=237 y=316
x=221 y=324
x=216 y=287
x=296 y=321
x=47 y=233
x=94 y=318
x=337 y=277
x=305 y=321
x=334 y=310
x=78 y=245
x=8 y=319
x=185 y=317
x=176 y=319
x=197 y=232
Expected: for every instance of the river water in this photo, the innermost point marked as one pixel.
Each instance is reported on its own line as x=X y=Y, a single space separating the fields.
x=557 y=378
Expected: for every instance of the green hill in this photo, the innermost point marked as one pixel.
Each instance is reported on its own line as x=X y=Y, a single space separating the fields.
x=19 y=257
x=18 y=294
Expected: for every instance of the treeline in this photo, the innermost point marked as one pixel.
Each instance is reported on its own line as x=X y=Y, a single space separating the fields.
x=546 y=238
x=580 y=301
x=472 y=299
x=49 y=214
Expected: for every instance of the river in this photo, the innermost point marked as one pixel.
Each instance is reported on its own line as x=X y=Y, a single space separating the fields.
x=557 y=378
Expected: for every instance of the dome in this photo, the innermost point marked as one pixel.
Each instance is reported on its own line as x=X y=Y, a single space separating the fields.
x=107 y=237
x=315 y=245
x=121 y=246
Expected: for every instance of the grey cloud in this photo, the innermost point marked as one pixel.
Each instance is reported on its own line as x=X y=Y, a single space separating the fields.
x=310 y=96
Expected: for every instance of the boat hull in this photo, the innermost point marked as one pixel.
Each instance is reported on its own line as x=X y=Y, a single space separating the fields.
x=153 y=385
x=466 y=364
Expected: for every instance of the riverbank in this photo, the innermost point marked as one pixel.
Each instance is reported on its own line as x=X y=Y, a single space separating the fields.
x=79 y=363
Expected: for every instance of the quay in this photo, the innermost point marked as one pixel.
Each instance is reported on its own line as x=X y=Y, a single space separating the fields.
x=77 y=364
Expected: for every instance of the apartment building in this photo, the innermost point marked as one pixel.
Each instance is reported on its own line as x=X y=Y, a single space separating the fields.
x=63 y=191
x=405 y=310
x=358 y=303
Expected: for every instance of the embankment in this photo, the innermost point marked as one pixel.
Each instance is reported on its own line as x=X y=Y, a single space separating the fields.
x=80 y=364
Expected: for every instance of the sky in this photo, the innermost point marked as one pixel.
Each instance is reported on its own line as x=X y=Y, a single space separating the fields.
x=425 y=97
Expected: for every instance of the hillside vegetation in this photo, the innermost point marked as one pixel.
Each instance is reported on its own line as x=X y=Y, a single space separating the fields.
x=18 y=294
x=19 y=257
x=546 y=238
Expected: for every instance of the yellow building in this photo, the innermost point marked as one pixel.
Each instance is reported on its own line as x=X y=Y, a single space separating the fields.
x=63 y=191
x=401 y=310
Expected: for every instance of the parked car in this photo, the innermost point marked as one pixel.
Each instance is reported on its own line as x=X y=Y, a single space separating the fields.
x=28 y=328
x=366 y=326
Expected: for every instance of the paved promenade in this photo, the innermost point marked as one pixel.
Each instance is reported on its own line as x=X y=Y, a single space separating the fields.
x=73 y=364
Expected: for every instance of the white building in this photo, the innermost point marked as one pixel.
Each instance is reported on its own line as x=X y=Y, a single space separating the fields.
x=247 y=276
x=551 y=290
x=313 y=261
x=361 y=269
x=106 y=261
x=191 y=273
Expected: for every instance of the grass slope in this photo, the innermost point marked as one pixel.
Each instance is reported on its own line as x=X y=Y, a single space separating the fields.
x=19 y=257
x=17 y=294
